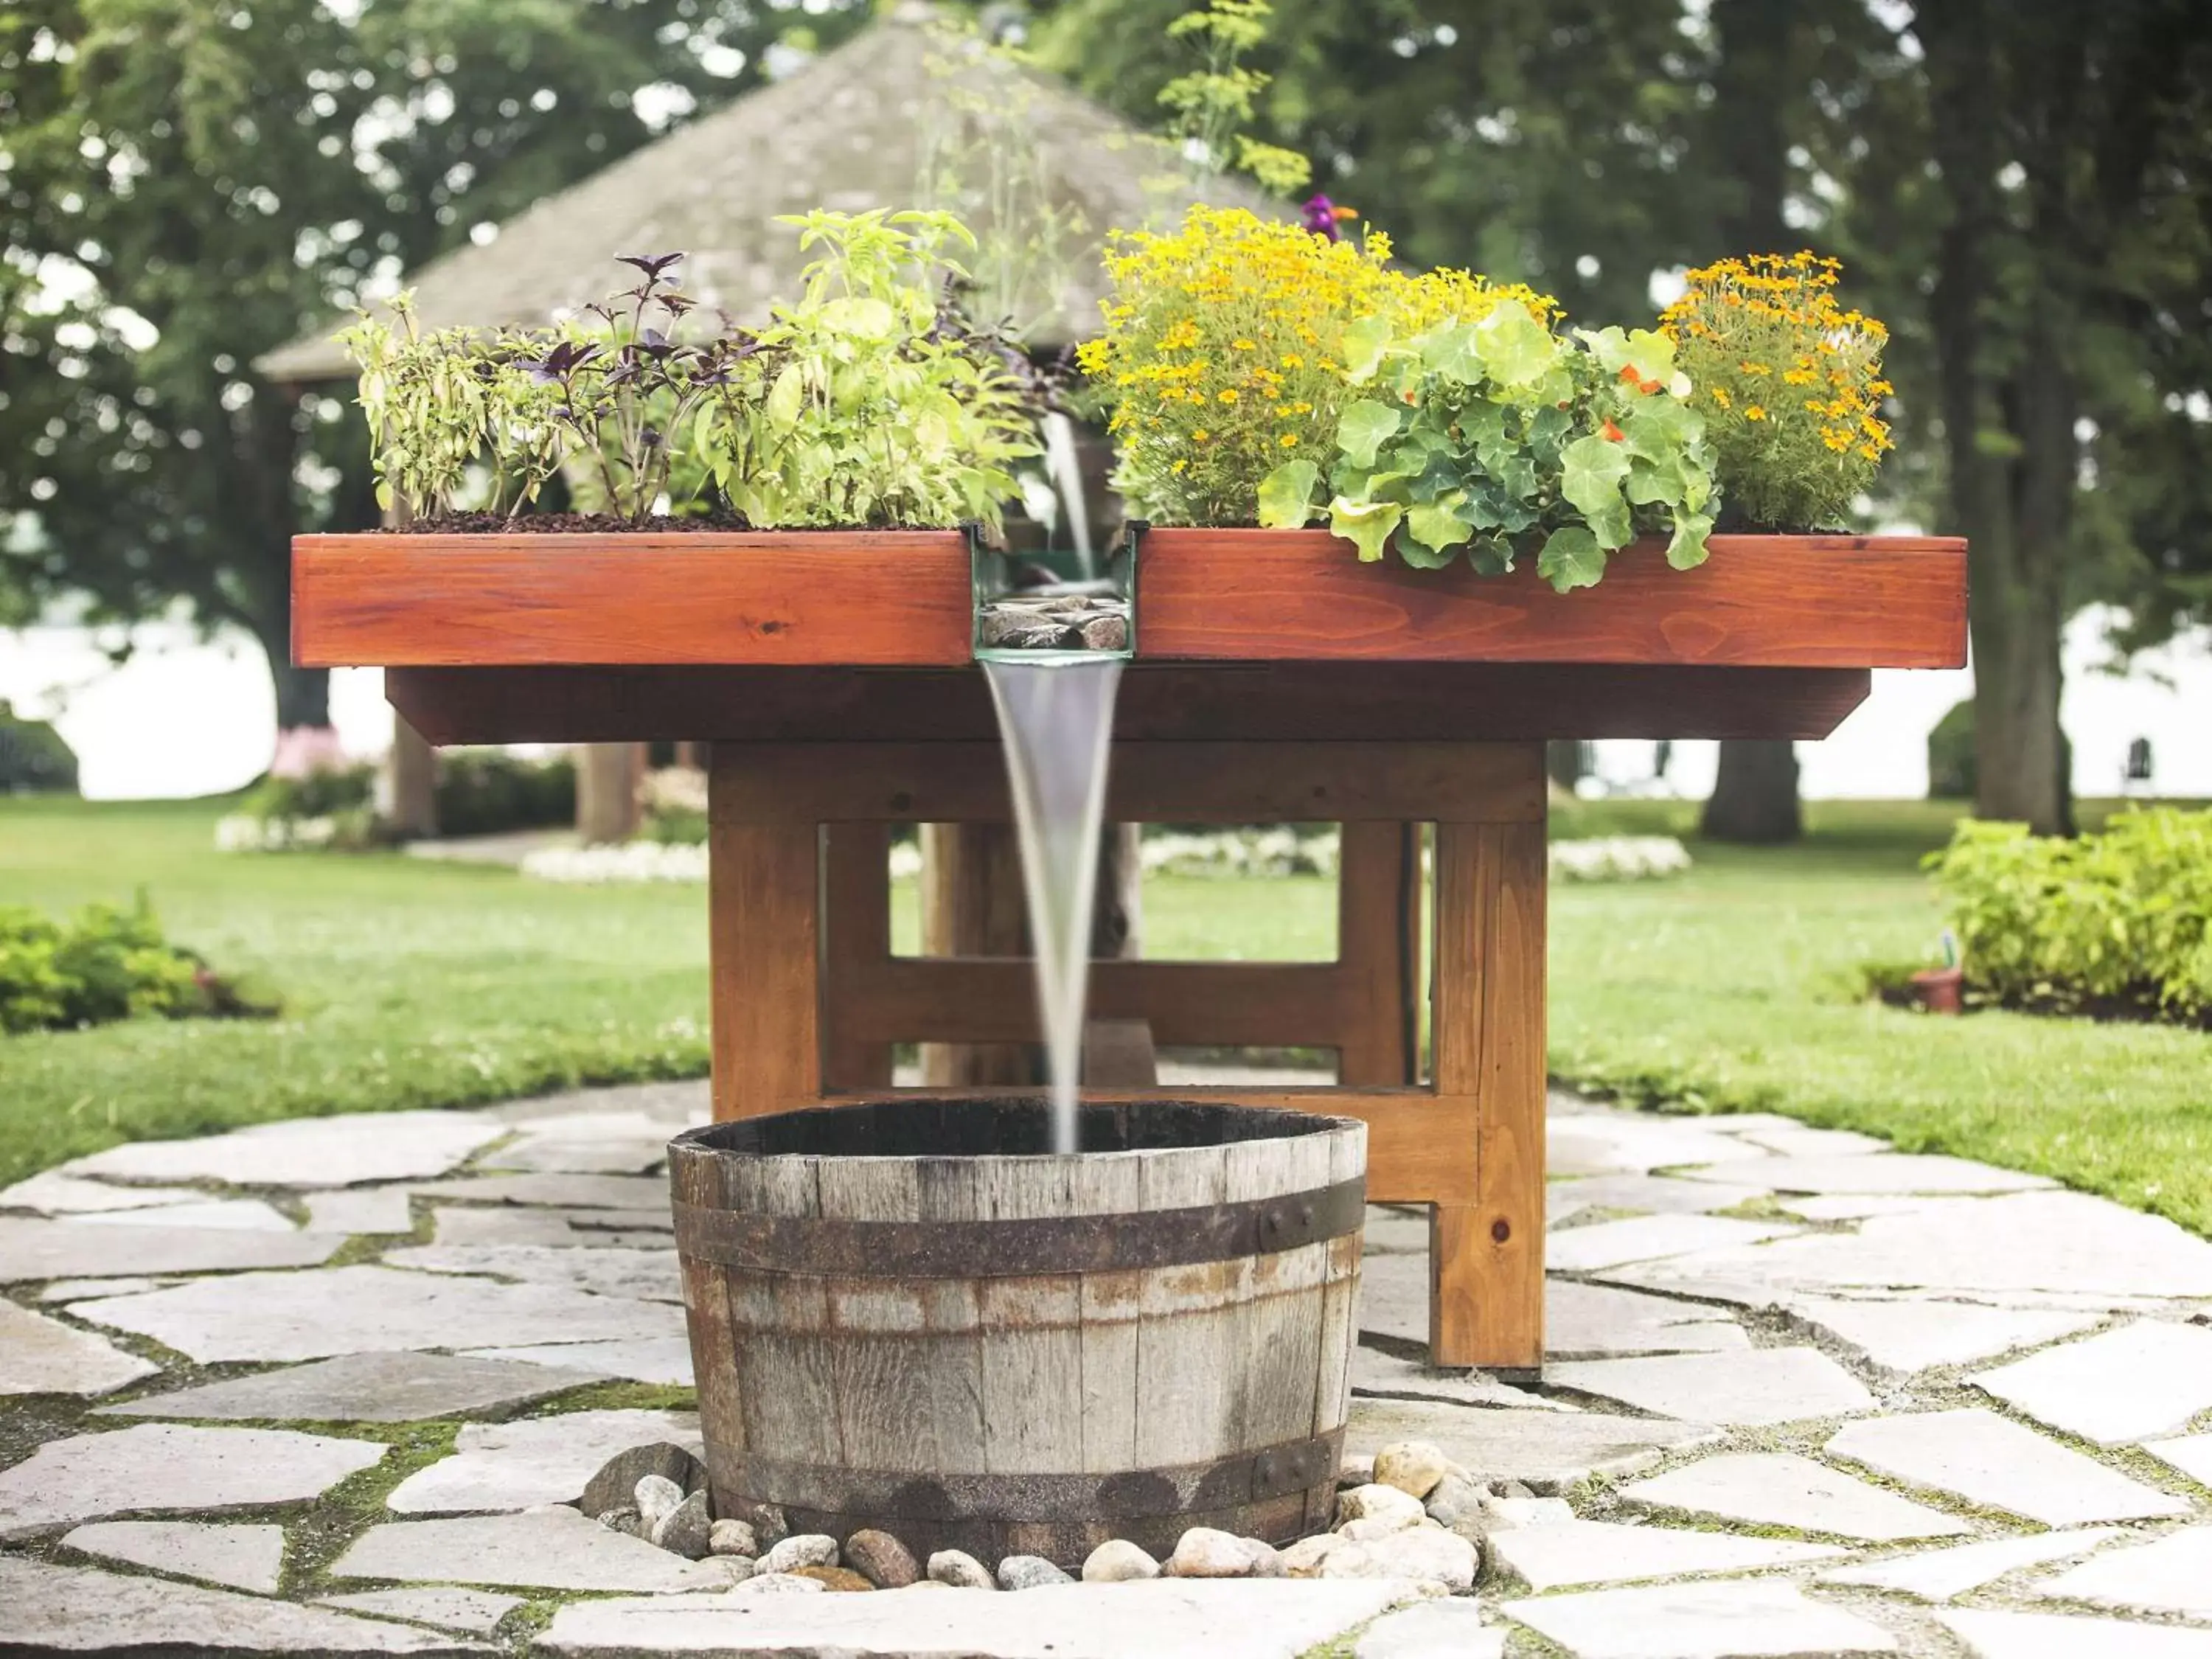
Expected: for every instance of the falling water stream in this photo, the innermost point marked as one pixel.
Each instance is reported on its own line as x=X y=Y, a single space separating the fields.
x=1056 y=721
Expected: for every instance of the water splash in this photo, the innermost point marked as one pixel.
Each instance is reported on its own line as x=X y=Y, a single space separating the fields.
x=1056 y=721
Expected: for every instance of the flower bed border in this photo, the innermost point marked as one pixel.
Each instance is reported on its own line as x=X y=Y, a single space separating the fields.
x=904 y=599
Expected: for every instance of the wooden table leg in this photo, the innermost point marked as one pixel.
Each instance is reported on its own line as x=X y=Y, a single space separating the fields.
x=856 y=922
x=763 y=899
x=1487 y=1260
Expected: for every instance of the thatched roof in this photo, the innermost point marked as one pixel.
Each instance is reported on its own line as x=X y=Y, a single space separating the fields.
x=856 y=128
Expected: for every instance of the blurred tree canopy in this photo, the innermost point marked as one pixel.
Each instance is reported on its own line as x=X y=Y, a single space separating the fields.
x=2019 y=188
x=186 y=183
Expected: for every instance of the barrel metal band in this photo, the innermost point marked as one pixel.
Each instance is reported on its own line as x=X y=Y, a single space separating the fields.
x=1249 y=1477
x=1121 y=1243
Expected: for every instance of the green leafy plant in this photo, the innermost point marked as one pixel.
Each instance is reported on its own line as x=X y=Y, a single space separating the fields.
x=2117 y=921
x=868 y=401
x=1210 y=106
x=1478 y=437
x=104 y=964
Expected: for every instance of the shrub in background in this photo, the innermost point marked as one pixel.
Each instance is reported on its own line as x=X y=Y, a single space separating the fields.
x=33 y=758
x=483 y=792
x=1788 y=383
x=104 y=964
x=2117 y=921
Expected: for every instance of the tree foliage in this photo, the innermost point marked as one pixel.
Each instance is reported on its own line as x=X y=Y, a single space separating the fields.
x=2019 y=187
x=188 y=183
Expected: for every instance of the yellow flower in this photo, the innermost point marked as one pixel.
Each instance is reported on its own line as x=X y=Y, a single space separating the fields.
x=1228 y=394
x=1289 y=440
x=1754 y=412
x=1721 y=396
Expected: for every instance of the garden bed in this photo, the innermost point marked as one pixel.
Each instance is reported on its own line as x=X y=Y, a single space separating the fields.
x=904 y=598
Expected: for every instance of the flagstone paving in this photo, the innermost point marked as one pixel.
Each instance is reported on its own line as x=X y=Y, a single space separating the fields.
x=364 y=1388
x=2142 y=1380
x=1805 y=1395
x=237 y=1557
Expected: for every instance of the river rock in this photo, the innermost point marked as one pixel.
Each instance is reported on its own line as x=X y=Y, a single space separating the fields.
x=1456 y=1500
x=733 y=1538
x=1206 y=1553
x=1356 y=1471
x=768 y=1522
x=881 y=1559
x=1306 y=1558
x=1371 y=1528
x=1021 y=1572
x=737 y=1568
x=686 y=1528
x=960 y=1569
x=1377 y=1501
x=1118 y=1561
x=1106 y=634
x=657 y=1499
x=615 y=1484
x=625 y=1520
x=805 y=1549
x=1413 y=1466
x=834 y=1578
x=1420 y=1553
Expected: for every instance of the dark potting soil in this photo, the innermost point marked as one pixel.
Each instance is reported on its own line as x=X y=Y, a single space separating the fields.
x=543 y=524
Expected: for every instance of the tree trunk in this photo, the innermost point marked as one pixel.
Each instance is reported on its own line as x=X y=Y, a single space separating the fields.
x=1754 y=798
x=2010 y=446
x=408 y=789
x=607 y=776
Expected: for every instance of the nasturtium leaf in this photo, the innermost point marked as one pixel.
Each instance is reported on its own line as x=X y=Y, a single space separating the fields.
x=1591 y=469
x=1424 y=558
x=1366 y=524
x=1286 y=495
x=1361 y=429
x=1452 y=353
x=1687 y=548
x=1571 y=558
x=1492 y=555
x=1364 y=342
x=1438 y=526
x=1652 y=353
x=1514 y=346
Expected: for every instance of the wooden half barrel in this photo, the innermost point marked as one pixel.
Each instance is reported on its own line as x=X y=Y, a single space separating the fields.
x=911 y=1315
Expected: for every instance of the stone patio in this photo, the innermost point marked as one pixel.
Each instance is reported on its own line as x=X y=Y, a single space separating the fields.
x=335 y=1386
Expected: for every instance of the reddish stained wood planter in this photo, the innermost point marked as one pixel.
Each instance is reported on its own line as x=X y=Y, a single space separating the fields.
x=901 y=599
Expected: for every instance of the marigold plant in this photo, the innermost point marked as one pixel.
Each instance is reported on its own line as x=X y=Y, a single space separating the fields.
x=1788 y=382
x=1223 y=352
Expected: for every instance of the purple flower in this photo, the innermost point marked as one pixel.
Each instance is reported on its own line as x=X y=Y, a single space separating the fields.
x=1320 y=218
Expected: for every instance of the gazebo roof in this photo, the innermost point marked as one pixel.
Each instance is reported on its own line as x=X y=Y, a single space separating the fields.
x=856 y=128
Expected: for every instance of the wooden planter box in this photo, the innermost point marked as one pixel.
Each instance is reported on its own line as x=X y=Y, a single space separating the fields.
x=902 y=598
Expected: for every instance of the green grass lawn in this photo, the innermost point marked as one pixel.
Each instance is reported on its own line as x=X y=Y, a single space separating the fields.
x=410 y=983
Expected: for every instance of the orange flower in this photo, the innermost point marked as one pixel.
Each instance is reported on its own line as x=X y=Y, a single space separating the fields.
x=1611 y=433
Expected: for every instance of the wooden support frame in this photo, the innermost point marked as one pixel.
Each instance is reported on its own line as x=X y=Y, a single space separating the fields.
x=809 y=998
